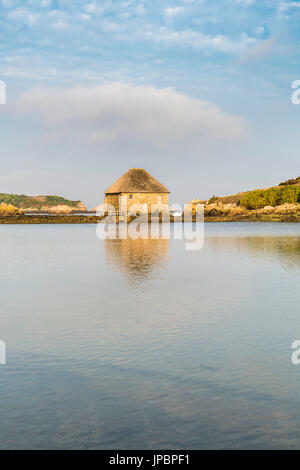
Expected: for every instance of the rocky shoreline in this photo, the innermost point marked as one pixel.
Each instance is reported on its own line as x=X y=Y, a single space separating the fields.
x=216 y=212
x=45 y=219
x=219 y=212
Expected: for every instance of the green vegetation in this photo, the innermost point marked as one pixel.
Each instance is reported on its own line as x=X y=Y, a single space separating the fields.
x=35 y=202
x=290 y=182
x=213 y=199
x=57 y=200
x=271 y=197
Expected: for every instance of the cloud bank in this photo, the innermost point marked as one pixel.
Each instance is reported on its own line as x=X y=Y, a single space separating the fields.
x=118 y=113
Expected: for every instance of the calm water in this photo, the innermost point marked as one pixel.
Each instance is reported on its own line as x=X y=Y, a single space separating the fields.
x=142 y=344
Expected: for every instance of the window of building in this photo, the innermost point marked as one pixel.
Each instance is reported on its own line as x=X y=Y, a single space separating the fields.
x=130 y=196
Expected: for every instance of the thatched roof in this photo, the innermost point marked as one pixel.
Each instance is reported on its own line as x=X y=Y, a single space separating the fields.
x=136 y=180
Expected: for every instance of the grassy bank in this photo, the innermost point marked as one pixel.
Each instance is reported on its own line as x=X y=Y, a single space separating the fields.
x=271 y=197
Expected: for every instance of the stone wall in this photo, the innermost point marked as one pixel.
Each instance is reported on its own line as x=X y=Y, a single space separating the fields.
x=113 y=200
x=123 y=200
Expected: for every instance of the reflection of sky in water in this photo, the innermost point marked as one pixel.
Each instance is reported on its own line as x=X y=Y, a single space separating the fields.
x=145 y=345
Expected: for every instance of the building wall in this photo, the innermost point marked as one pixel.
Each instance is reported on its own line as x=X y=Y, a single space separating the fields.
x=120 y=201
x=113 y=200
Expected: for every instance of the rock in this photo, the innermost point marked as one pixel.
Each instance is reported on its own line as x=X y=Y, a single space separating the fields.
x=81 y=207
x=267 y=210
x=60 y=209
x=95 y=208
x=287 y=209
x=197 y=201
x=218 y=209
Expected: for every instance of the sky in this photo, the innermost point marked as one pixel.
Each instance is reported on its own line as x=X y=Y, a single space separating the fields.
x=196 y=92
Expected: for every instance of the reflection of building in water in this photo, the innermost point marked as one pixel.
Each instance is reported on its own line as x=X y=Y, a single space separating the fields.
x=139 y=258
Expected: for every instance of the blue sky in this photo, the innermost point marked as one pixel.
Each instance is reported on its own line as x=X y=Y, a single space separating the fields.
x=197 y=92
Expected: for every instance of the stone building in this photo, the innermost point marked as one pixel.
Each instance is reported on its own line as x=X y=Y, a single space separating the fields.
x=136 y=186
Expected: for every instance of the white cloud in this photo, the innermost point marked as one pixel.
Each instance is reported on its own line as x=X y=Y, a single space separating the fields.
x=259 y=50
x=23 y=15
x=245 y=2
x=260 y=30
x=85 y=17
x=200 y=41
x=95 y=8
x=60 y=25
x=116 y=112
x=173 y=11
x=284 y=6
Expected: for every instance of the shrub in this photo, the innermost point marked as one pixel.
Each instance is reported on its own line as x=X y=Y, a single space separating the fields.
x=8 y=209
x=58 y=200
x=290 y=182
x=213 y=199
x=271 y=197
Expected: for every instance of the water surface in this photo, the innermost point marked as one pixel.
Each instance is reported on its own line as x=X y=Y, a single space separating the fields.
x=141 y=344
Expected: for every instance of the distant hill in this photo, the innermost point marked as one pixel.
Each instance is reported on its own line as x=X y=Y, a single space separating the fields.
x=291 y=182
x=287 y=192
x=41 y=203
